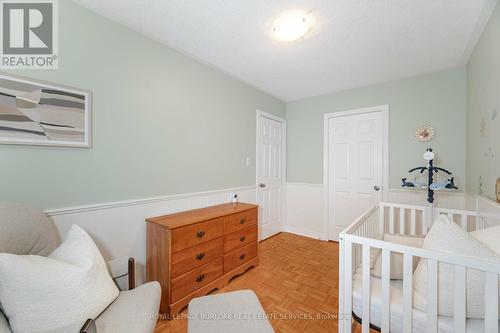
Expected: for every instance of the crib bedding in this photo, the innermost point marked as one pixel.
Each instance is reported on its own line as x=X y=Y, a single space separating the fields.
x=445 y=324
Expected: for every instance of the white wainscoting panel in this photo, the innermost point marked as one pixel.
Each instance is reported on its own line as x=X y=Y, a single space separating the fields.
x=442 y=199
x=305 y=205
x=489 y=210
x=304 y=209
x=119 y=228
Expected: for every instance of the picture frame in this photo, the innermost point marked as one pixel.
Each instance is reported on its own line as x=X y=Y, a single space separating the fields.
x=39 y=113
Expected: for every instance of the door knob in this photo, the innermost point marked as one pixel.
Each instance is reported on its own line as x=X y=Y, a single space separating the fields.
x=376 y=188
x=262 y=185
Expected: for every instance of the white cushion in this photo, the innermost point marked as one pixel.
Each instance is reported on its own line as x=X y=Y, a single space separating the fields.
x=234 y=312
x=133 y=311
x=397 y=258
x=56 y=293
x=446 y=236
x=489 y=237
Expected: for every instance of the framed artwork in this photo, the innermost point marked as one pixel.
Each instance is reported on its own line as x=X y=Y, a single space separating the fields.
x=424 y=133
x=40 y=113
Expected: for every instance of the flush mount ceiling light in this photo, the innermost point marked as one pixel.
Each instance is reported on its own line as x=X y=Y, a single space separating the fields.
x=291 y=26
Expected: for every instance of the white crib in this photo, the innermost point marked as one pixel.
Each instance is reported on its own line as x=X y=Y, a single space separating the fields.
x=365 y=235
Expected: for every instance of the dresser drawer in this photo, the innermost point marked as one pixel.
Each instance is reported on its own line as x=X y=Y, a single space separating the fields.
x=191 y=235
x=240 y=238
x=187 y=283
x=239 y=257
x=239 y=221
x=196 y=256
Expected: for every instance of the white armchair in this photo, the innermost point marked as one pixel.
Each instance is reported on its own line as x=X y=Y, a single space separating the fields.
x=26 y=230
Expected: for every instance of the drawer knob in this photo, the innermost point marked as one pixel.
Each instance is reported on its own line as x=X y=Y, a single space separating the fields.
x=242 y=256
x=242 y=221
x=242 y=238
x=200 y=277
x=200 y=234
x=200 y=256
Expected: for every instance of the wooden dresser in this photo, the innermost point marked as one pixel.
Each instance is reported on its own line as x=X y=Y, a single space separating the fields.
x=194 y=252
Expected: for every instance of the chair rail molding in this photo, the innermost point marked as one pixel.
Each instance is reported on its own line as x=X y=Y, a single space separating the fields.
x=119 y=228
x=133 y=202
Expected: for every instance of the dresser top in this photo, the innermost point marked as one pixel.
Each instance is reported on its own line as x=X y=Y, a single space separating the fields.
x=180 y=219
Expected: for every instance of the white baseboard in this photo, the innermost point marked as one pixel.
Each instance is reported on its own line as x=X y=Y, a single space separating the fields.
x=119 y=228
x=303 y=232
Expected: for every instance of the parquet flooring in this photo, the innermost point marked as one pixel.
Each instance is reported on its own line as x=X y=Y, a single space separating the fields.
x=296 y=282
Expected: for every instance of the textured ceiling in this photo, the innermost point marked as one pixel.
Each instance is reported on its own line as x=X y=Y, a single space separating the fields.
x=354 y=42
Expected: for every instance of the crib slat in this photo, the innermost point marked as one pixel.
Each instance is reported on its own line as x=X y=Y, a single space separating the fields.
x=432 y=295
x=391 y=220
x=491 y=303
x=366 y=289
x=402 y=221
x=358 y=256
x=386 y=289
x=463 y=222
x=459 y=310
x=348 y=286
x=381 y=219
x=353 y=258
x=482 y=222
x=426 y=219
x=413 y=221
x=407 y=293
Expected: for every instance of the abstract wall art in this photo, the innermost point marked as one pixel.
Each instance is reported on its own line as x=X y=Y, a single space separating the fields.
x=38 y=113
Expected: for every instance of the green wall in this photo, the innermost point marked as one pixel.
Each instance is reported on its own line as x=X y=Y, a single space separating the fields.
x=483 y=103
x=163 y=123
x=436 y=99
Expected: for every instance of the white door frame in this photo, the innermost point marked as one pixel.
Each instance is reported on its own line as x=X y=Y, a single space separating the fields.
x=384 y=109
x=260 y=113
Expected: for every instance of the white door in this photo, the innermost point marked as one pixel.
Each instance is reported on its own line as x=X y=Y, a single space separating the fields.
x=355 y=167
x=270 y=173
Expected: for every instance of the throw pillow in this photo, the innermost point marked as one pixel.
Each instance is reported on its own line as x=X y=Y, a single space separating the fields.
x=446 y=236
x=56 y=293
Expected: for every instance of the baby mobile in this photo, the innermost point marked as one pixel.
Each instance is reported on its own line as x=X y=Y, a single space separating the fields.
x=431 y=177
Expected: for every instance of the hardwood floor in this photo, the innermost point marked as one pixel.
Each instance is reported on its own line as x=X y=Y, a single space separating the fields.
x=296 y=282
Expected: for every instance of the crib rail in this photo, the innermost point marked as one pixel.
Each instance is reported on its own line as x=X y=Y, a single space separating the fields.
x=416 y=220
x=365 y=235
x=404 y=219
x=468 y=220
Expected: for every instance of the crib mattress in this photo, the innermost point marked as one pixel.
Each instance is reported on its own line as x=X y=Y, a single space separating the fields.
x=445 y=324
